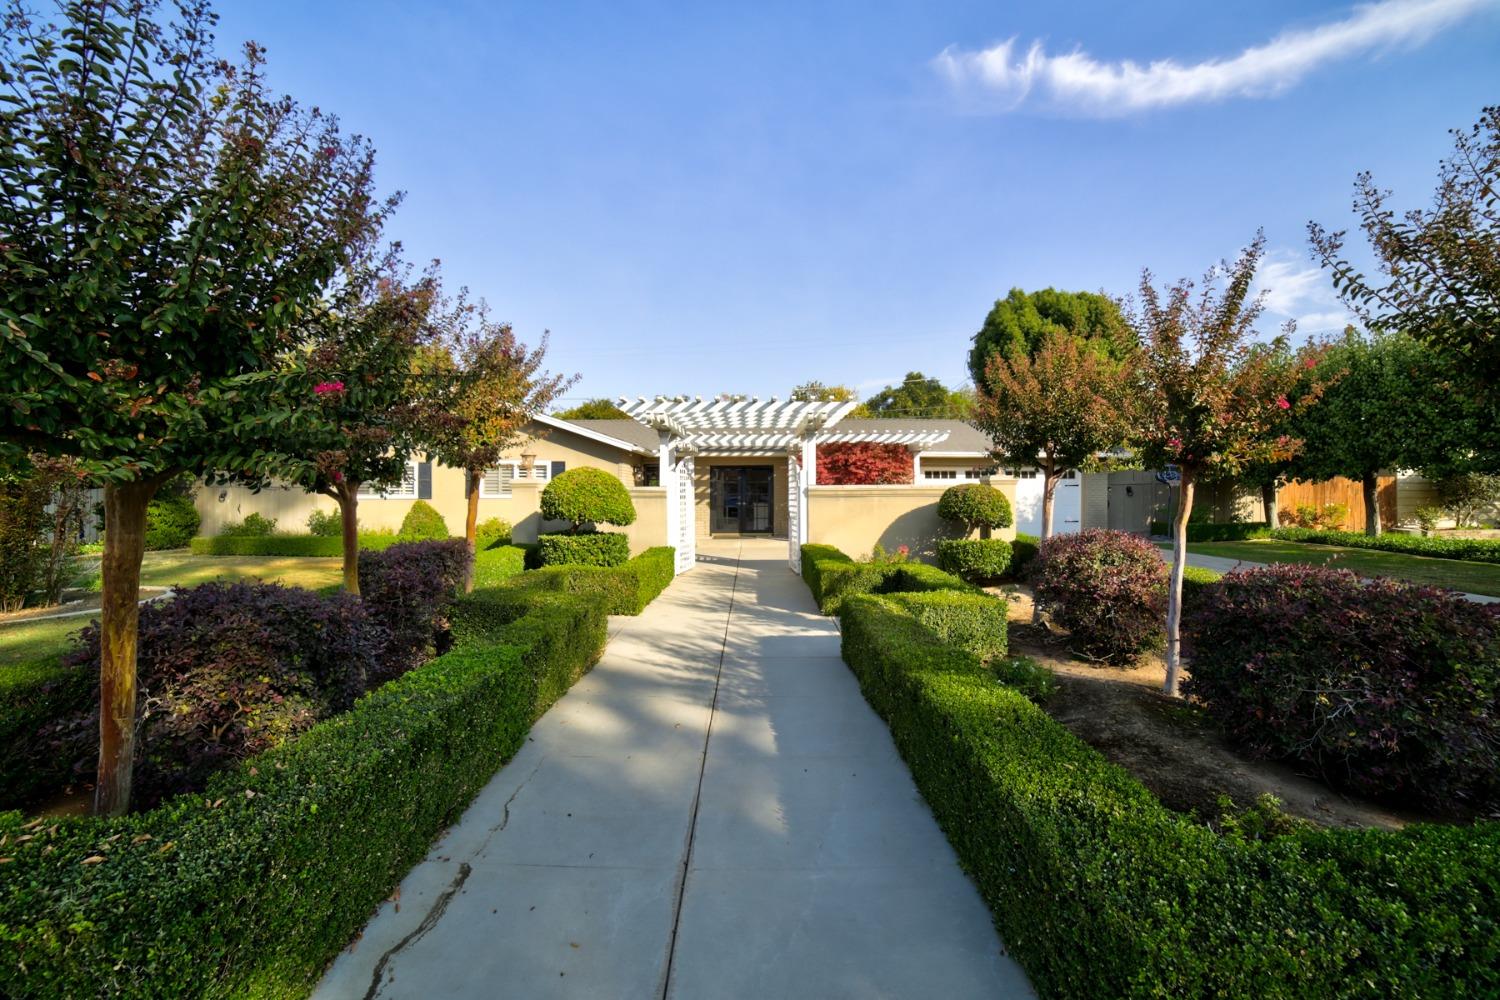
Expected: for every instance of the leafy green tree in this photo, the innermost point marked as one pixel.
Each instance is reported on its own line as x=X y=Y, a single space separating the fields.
x=484 y=386
x=1020 y=323
x=166 y=226
x=1210 y=397
x=817 y=392
x=1439 y=269
x=593 y=409
x=918 y=396
x=1389 y=403
x=1057 y=409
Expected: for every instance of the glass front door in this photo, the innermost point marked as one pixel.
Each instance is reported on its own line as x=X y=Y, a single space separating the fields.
x=741 y=497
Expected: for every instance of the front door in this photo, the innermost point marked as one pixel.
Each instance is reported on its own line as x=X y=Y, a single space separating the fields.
x=741 y=499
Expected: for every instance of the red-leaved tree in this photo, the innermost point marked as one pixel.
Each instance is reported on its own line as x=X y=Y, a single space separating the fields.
x=863 y=464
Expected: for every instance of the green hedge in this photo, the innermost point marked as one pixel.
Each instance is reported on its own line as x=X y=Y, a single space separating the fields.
x=1102 y=892
x=1472 y=549
x=832 y=576
x=974 y=558
x=251 y=888
x=975 y=623
x=1023 y=549
x=32 y=694
x=623 y=590
x=590 y=548
x=1204 y=532
x=171 y=523
x=286 y=545
x=492 y=565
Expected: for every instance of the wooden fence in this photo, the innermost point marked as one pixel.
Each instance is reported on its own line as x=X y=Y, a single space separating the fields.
x=1345 y=491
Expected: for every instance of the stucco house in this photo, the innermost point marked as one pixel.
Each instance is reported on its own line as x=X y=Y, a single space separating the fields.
x=733 y=468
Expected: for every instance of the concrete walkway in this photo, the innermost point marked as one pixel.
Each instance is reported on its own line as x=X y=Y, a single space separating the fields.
x=714 y=811
x=1222 y=564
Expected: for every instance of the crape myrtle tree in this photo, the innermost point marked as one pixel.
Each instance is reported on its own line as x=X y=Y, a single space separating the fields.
x=1389 y=402
x=482 y=387
x=1438 y=273
x=165 y=224
x=1022 y=321
x=1271 y=469
x=1057 y=409
x=358 y=405
x=1209 y=398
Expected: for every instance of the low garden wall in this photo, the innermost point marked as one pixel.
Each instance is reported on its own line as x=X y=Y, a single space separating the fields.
x=857 y=518
x=251 y=887
x=1101 y=891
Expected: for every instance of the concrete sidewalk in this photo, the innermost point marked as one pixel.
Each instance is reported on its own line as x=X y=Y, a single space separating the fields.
x=714 y=811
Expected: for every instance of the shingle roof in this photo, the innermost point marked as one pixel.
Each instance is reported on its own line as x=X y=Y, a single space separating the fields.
x=962 y=437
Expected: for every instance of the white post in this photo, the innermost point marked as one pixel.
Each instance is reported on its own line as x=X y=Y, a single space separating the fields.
x=916 y=467
x=666 y=473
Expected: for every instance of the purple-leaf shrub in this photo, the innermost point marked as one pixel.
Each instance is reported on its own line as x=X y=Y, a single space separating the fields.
x=409 y=589
x=1384 y=687
x=1107 y=588
x=225 y=671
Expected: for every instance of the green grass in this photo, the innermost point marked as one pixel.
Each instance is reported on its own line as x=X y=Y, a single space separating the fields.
x=24 y=642
x=1457 y=574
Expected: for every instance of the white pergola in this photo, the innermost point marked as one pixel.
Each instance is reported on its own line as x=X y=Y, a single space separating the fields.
x=691 y=425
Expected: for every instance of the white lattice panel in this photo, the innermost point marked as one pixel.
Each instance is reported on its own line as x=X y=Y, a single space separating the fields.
x=794 y=513
x=687 y=528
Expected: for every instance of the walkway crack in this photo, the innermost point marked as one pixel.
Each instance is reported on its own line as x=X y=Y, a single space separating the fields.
x=440 y=905
x=713 y=711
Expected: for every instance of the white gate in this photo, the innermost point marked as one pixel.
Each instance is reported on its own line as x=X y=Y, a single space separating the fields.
x=793 y=514
x=687 y=529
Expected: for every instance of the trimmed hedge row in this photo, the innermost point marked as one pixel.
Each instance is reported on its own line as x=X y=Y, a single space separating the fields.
x=831 y=576
x=1472 y=549
x=1199 y=531
x=286 y=545
x=623 y=590
x=590 y=548
x=975 y=623
x=492 y=565
x=1100 y=891
x=253 y=886
x=974 y=558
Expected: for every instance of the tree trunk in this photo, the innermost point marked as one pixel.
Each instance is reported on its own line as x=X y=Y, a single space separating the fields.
x=1372 y=504
x=1050 y=477
x=348 y=498
x=1174 y=589
x=1268 y=493
x=119 y=613
x=471 y=528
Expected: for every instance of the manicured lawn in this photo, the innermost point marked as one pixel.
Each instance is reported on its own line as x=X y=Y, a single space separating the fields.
x=1471 y=577
x=28 y=641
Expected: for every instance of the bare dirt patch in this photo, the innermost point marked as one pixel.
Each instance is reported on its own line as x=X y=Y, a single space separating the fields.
x=1169 y=745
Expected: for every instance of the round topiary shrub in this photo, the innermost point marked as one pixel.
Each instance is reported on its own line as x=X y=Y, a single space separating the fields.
x=422 y=524
x=974 y=559
x=975 y=506
x=587 y=496
x=1384 y=687
x=1107 y=588
x=590 y=548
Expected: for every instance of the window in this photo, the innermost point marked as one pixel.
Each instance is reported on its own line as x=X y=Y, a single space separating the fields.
x=495 y=483
x=978 y=473
x=649 y=474
x=940 y=473
x=406 y=491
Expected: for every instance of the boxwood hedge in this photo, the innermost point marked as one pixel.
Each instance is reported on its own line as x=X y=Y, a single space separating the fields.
x=250 y=888
x=975 y=623
x=1102 y=892
x=590 y=548
x=832 y=576
x=974 y=559
x=623 y=590
x=1472 y=549
x=1201 y=531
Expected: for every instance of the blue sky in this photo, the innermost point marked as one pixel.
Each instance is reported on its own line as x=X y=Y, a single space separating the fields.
x=740 y=197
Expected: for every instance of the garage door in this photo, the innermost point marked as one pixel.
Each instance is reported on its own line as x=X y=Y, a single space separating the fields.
x=1067 y=503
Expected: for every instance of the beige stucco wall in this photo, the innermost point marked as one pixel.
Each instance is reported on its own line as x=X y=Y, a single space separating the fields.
x=779 y=513
x=290 y=506
x=855 y=518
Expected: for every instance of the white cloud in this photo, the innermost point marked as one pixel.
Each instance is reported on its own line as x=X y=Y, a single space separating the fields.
x=1006 y=76
x=1303 y=292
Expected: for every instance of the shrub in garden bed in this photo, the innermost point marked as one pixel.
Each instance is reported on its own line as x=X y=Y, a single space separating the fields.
x=1203 y=531
x=975 y=623
x=594 y=548
x=253 y=526
x=587 y=496
x=171 y=522
x=1381 y=686
x=1102 y=892
x=974 y=559
x=492 y=565
x=325 y=523
x=1023 y=550
x=490 y=533
x=622 y=590
x=422 y=523
x=814 y=558
x=252 y=887
x=310 y=546
x=408 y=588
x=1473 y=549
x=224 y=671
x=976 y=506
x=1107 y=588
